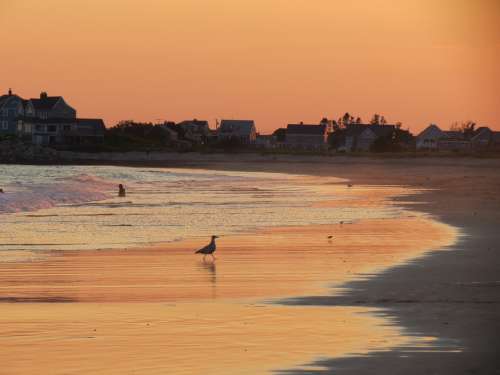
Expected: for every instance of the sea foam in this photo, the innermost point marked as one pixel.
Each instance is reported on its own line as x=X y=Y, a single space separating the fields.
x=74 y=190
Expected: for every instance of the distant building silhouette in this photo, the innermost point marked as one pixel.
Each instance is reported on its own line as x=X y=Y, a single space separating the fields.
x=243 y=131
x=433 y=138
x=47 y=120
x=307 y=137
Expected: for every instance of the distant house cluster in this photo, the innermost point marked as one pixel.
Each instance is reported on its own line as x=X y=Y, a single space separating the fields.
x=433 y=138
x=328 y=135
x=50 y=120
x=323 y=136
x=47 y=120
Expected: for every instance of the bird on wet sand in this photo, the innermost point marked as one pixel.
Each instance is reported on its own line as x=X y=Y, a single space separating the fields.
x=209 y=249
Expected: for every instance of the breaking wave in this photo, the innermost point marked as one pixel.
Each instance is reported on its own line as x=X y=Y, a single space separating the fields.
x=75 y=190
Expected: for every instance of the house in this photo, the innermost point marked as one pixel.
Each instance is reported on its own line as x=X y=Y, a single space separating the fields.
x=453 y=141
x=350 y=137
x=429 y=137
x=243 y=131
x=49 y=120
x=485 y=139
x=62 y=131
x=373 y=133
x=52 y=107
x=172 y=130
x=307 y=137
x=264 y=141
x=195 y=130
x=11 y=107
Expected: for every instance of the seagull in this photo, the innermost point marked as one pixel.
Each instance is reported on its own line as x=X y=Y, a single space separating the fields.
x=209 y=249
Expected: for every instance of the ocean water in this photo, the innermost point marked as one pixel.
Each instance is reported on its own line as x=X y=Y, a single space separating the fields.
x=77 y=207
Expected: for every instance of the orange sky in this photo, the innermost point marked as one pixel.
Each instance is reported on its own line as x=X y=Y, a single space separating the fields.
x=274 y=61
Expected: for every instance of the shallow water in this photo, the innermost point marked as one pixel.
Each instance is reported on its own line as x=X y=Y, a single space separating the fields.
x=76 y=207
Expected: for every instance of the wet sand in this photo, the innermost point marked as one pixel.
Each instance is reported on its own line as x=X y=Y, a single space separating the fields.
x=163 y=310
x=453 y=295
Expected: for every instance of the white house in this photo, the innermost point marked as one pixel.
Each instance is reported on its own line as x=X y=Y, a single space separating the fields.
x=428 y=139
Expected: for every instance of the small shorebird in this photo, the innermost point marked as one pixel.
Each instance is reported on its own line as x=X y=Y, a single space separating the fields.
x=330 y=237
x=209 y=249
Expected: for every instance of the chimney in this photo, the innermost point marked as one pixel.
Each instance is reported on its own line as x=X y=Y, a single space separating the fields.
x=10 y=92
x=43 y=95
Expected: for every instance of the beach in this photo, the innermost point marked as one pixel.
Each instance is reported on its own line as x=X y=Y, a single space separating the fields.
x=416 y=294
x=454 y=294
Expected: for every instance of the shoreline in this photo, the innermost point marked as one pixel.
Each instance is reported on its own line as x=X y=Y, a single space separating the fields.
x=453 y=295
x=446 y=294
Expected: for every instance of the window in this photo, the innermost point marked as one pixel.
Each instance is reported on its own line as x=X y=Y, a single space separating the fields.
x=66 y=128
x=5 y=125
x=39 y=128
x=51 y=128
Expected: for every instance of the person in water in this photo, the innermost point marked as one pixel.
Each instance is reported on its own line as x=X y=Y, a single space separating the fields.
x=121 y=191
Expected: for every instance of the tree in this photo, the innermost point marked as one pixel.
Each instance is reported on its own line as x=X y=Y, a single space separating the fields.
x=467 y=128
x=375 y=119
x=347 y=119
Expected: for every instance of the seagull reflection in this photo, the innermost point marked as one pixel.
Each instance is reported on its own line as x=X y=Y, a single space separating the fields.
x=211 y=267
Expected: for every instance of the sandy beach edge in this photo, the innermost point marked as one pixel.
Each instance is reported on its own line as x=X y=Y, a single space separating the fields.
x=452 y=295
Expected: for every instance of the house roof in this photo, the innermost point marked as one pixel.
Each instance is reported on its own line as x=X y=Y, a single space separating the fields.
x=429 y=128
x=46 y=103
x=482 y=133
x=193 y=122
x=241 y=127
x=306 y=129
x=95 y=123
x=482 y=129
x=4 y=99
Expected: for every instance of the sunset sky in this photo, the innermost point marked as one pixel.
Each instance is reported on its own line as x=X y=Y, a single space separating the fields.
x=274 y=61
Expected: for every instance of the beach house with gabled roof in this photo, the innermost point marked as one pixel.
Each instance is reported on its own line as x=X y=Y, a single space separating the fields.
x=428 y=138
x=372 y=133
x=48 y=120
x=52 y=107
x=243 y=131
x=485 y=139
x=11 y=107
x=195 y=130
x=307 y=136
